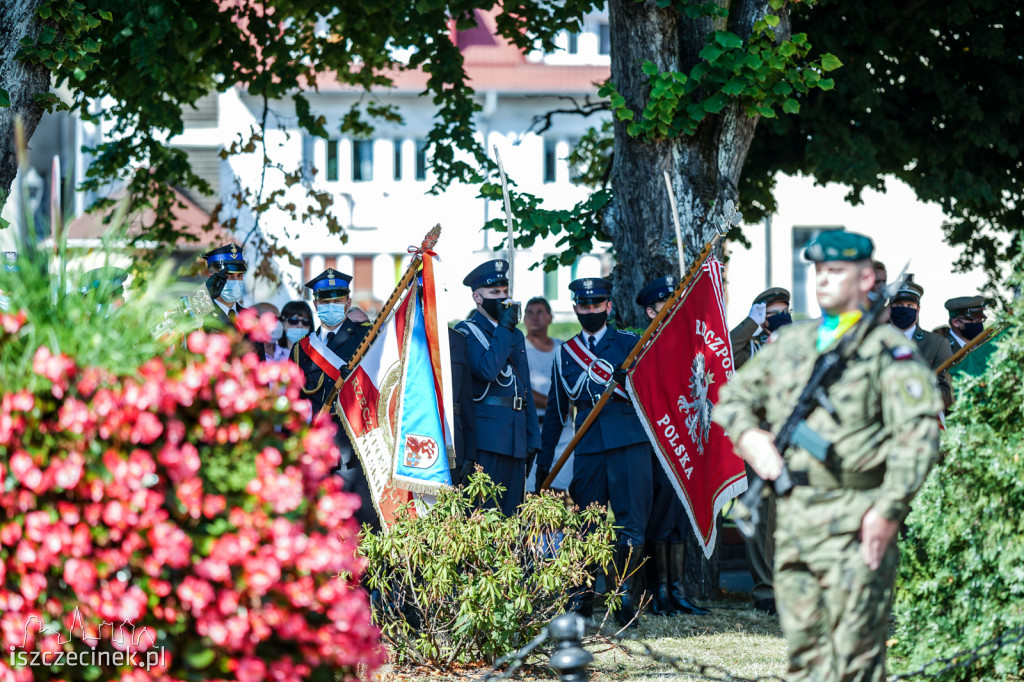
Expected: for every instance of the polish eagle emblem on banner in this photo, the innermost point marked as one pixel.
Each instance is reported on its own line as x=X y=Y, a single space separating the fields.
x=699 y=408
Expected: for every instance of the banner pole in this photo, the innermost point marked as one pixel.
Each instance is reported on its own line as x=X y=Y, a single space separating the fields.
x=968 y=347
x=683 y=286
x=429 y=241
x=675 y=221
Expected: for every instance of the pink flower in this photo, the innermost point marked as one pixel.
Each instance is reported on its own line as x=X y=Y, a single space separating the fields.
x=251 y=669
x=80 y=575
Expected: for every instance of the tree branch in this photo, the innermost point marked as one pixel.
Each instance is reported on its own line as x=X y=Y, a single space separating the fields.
x=541 y=123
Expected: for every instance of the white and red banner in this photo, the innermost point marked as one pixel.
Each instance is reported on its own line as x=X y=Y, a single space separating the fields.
x=674 y=385
x=396 y=405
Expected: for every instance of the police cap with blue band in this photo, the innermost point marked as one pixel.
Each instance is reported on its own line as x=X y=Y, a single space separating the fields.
x=656 y=290
x=228 y=257
x=329 y=284
x=493 y=273
x=833 y=245
x=590 y=290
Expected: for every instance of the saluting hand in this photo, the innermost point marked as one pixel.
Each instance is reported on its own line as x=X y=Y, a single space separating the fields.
x=876 y=532
x=757 y=448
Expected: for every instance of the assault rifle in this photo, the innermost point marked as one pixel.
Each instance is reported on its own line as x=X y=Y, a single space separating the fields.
x=795 y=431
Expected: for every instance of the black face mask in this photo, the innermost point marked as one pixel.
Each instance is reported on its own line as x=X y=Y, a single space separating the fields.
x=972 y=329
x=491 y=306
x=778 y=320
x=592 y=322
x=902 y=317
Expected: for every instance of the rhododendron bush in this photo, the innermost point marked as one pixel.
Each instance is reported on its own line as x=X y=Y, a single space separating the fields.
x=190 y=499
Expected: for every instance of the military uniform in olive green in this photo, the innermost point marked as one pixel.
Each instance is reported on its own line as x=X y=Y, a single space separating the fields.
x=834 y=609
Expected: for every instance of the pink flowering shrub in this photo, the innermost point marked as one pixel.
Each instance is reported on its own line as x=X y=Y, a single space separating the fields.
x=189 y=503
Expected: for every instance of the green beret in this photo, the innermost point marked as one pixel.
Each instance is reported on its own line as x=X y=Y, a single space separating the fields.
x=839 y=245
x=773 y=294
x=909 y=290
x=965 y=305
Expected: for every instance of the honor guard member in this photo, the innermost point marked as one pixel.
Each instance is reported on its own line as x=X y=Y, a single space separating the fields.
x=668 y=525
x=904 y=310
x=322 y=356
x=769 y=312
x=613 y=458
x=966 y=321
x=227 y=267
x=835 y=542
x=506 y=418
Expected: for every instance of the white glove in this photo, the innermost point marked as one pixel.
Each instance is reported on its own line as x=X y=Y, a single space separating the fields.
x=757 y=313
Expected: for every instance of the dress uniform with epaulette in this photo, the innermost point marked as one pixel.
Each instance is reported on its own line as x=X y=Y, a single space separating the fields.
x=506 y=418
x=227 y=293
x=668 y=524
x=613 y=458
x=904 y=311
x=340 y=337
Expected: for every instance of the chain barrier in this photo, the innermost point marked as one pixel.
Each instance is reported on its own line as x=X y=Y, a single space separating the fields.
x=570 y=660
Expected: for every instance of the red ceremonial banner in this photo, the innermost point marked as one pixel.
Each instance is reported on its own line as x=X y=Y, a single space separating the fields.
x=674 y=385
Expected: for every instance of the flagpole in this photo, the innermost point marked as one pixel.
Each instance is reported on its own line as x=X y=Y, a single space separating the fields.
x=675 y=221
x=969 y=347
x=683 y=286
x=429 y=241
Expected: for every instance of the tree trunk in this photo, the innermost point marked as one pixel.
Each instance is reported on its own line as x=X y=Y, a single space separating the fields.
x=22 y=82
x=704 y=170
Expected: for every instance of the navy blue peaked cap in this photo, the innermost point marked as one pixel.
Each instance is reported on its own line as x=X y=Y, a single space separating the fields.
x=590 y=289
x=657 y=290
x=493 y=273
x=228 y=257
x=330 y=284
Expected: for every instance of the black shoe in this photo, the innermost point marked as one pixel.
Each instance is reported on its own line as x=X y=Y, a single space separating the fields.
x=676 y=590
x=766 y=605
x=688 y=607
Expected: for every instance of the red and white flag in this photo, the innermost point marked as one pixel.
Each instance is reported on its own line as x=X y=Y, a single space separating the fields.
x=674 y=385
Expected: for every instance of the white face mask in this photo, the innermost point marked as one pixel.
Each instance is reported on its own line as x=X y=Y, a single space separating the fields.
x=275 y=334
x=295 y=334
x=331 y=314
x=232 y=292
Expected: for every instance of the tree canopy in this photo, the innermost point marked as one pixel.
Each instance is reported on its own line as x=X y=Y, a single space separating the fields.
x=930 y=93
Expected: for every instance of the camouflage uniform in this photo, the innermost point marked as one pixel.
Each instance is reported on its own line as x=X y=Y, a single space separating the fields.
x=834 y=610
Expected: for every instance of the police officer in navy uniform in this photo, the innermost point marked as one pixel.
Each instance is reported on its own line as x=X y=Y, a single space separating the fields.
x=506 y=418
x=226 y=267
x=342 y=336
x=613 y=458
x=668 y=524
x=904 y=310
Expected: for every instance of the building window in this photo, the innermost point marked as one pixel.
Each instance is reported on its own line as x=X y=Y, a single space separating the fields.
x=573 y=43
x=398 y=160
x=549 y=160
x=421 y=160
x=604 y=38
x=362 y=273
x=551 y=285
x=804 y=298
x=362 y=160
x=332 y=160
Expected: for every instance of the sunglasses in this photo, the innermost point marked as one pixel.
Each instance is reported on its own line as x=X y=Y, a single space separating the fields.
x=295 y=319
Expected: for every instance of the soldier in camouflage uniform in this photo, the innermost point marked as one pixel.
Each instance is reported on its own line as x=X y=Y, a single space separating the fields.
x=835 y=549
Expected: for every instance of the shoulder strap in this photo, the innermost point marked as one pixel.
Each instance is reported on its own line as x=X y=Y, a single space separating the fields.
x=478 y=333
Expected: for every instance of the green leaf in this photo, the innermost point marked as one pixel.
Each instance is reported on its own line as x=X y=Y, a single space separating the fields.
x=44 y=12
x=772 y=20
x=715 y=103
x=791 y=106
x=787 y=49
x=5 y=99
x=650 y=68
x=729 y=41
x=710 y=53
x=734 y=87
x=829 y=62
x=826 y=84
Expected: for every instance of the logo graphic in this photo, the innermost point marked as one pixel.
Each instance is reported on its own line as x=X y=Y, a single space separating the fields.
x=420 y=451
x=698 y=409
x=588 y=284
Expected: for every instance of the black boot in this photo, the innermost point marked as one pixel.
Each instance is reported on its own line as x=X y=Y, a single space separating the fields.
x=626 y=561
x=676 y=591
x=661 y=605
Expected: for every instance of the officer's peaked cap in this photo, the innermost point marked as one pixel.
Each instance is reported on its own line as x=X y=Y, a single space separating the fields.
x=965 y=305
x=493 y=273
x=590 y=289
x=909 y=290
x=772 y=295
x=329 y=284
x=228 y=257
x=659 y=289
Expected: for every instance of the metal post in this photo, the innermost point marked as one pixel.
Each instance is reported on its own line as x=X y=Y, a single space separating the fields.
x=570 y=659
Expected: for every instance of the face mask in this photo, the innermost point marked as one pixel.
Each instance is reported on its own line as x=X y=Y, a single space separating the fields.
x=902 y=317
x=779 y=320
x=592 y=322
x=491 y=306
x=972 y=329
x=331 y=314
x=5 y=302
x=276 y=332
x=294 y=334
x=232 y=291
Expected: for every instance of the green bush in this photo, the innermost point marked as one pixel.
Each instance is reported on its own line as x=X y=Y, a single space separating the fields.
x=961 y=579
x=465 y=585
